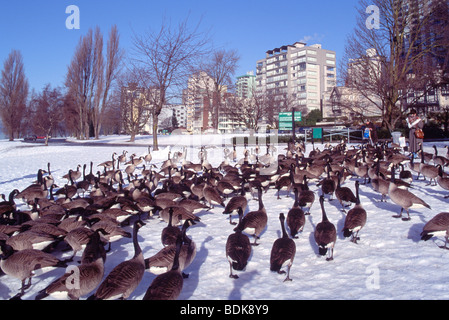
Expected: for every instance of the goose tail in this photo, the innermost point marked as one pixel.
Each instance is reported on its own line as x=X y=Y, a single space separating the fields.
x=425 y=236
x=322 y=251
x=347 y=233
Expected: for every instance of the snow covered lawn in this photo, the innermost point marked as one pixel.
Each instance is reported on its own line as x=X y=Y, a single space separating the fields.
x=389 y=262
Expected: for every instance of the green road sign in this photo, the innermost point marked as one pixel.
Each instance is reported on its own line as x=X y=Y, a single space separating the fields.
x=287 y=116
x=285 y=126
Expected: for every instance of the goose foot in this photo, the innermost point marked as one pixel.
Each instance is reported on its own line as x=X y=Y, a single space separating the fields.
x=233 y=276
x=288 y=279
x=397 y=216
x=406 y=219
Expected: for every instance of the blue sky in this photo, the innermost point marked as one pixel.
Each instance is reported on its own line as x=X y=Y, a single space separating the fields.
x=38 y=29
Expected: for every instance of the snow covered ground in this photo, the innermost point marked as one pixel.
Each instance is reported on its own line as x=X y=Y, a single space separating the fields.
x=389 y=262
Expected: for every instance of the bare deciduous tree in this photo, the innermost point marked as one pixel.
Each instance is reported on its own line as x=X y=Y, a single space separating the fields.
x=165 y=59
x=220 y=68
x=89 y=79
x=46 y=111
x=250 y=111
x=114 y=56
x=404 y=46
x=136 y=109
x=13 y=94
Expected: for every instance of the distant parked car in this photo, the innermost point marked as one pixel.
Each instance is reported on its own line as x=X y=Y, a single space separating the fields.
x=34 y=138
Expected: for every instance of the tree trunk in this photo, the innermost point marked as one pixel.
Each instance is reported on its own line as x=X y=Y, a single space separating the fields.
x=155 y=126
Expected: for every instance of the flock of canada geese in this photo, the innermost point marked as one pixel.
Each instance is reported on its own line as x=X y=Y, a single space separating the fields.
x=88 y=213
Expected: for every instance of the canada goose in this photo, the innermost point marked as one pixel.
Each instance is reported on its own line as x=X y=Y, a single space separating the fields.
x=83 y=185
x=283 y=252
x=306 y=197
x=254 y=222
x=315 y=171
x=170 y=233
x=168 y=286
x=325 y=234
x=67 y=192
x=30 y=194
x=405 y=175
x=379 y=184
x=192 y=205
x=113 y=232
x=343 y=194
x=69 y=223
x=225 y=188
x=77 y=239
x=72 y=176
x=90 y=177
x=360 y=170
x=21 y=264
x=404 y=198
x=235 y=203
x=439 y=160
x=126 y=276
x=442 y=180
x=135 y=161
x=428 y=171
x=162 y=261
x=8 y=206
x=212 y=196
x=108 y=164
x=89 y=274
x=437 y=226
x=30 y=240
x=238 y=249
x=122 y=158
x=48 y=179
x=426 y=156
x=415 y=167
x=283 y=183
x=295 y=217
x=355 y=220
x=117 y=213
x=179 y=214
x=38 y=185
x=328 y=184
x=46 y=228
x=129 y=170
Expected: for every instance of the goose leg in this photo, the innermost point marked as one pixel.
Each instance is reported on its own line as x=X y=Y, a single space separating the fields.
x=398 y=215
x=355 y=237
x=408 y=217
x=233 y=276
x=331 y=253
x=288 y=273
x=255 y=239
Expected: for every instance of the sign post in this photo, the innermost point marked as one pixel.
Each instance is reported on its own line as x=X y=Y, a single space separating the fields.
x=287 y=121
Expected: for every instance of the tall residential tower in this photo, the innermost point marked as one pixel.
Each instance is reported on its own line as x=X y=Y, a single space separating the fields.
x=297 y=76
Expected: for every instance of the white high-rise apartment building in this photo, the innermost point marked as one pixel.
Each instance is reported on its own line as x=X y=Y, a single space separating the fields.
x=297 y=75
